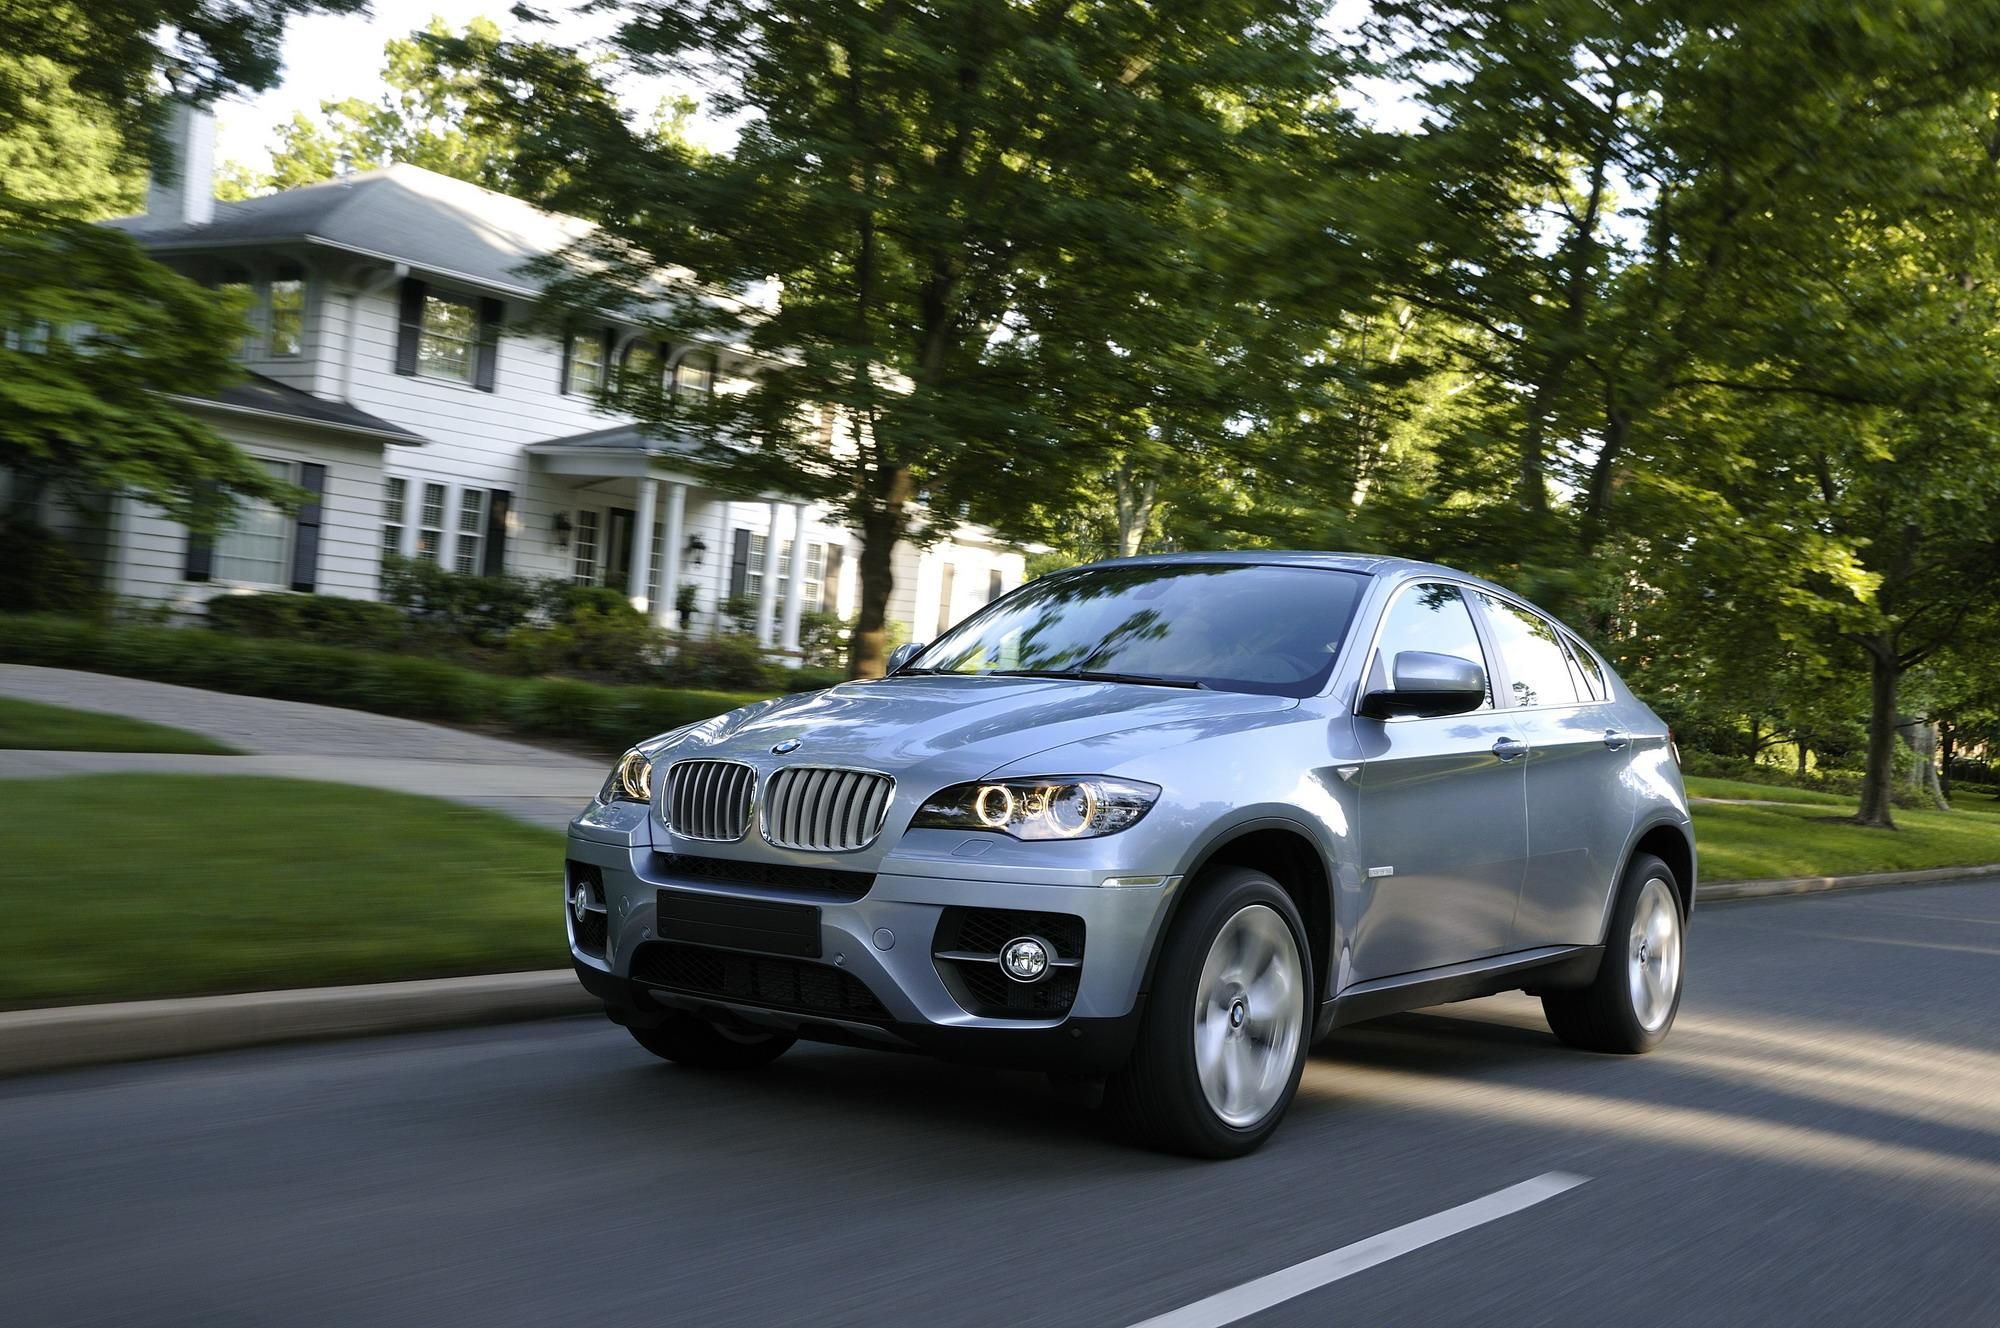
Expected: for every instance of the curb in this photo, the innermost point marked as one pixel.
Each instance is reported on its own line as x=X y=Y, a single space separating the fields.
x=68 y=1036
x=1716 y=891
x=72 y=1035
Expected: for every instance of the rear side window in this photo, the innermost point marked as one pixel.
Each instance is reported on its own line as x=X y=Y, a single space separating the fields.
x=1538 y=668
x=1594 y=687
x=1432 y=617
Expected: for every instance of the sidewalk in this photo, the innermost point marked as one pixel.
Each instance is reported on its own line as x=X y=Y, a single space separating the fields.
x=300 y=741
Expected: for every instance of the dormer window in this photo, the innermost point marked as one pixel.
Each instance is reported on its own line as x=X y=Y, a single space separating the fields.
x=585 y=374
x=694 y=377
x=288 y=311
x=640 y=371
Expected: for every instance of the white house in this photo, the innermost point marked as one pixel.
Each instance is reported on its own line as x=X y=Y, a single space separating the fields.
x=389 y=377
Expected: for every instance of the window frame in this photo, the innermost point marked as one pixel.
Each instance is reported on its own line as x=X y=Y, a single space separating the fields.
x=1488 y=648
x=396 y=501
x=425 y=367
x=588 y=576
x=435 y=556
x=286 y=275
x=288 y=549
x=680 y=391
x=573 y=360
x=1559 y=631
x=470 y=544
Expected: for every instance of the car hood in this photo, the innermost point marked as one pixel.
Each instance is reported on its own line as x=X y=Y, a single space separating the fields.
x=948 y=729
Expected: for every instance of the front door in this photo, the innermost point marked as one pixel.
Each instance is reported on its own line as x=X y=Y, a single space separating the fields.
x=619 y=523
x=1441 y=811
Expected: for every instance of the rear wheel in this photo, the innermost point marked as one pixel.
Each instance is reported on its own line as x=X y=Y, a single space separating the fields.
x=1223 y=1038
x=688 y=1040
x=1631 y=1003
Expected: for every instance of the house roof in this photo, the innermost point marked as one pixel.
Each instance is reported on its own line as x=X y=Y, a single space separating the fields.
x=267 y=397
x=619 y=438
x=404 y=213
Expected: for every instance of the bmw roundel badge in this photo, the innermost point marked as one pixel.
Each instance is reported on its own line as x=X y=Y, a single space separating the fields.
x=786 y=748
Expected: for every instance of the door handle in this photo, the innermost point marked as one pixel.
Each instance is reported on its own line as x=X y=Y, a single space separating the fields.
x=1509 y=748
x=1614 y=739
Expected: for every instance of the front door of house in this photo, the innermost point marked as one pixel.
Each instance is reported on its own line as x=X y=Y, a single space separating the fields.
x=619 y=523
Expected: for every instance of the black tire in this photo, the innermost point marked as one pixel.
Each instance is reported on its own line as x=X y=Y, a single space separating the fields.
x=688 y=1040
x=1604 y=1016
x=1158 y=1096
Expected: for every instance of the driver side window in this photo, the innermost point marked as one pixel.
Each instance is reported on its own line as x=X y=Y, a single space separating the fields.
x=1430 y=616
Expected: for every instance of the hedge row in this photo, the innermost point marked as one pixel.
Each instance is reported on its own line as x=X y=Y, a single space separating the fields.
x=588 y=714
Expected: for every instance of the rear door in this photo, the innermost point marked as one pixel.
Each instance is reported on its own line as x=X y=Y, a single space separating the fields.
x=1580 y=805
x=1441 y=809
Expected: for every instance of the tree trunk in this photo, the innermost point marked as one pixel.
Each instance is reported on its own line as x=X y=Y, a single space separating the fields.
x=1947 y=748
x=1802 y=756
x=1132 y=501
x=1878 y=785
x=1921 y=736
x=868 y=651
x=1756 y=736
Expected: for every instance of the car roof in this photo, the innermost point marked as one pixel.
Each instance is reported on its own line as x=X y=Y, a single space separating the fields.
x=1370 y=564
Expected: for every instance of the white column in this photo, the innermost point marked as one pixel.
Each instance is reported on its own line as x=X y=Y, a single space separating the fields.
x=795 y=584
x=767 y=586
x=671 y=539
x=641 y=574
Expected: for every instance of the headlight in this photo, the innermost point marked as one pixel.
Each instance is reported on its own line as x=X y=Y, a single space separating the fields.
x=631 y=779
x=1052 y=807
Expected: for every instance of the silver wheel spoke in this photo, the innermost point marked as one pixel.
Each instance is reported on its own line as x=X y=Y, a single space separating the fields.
x=1249 y=1015
x=1654 y=955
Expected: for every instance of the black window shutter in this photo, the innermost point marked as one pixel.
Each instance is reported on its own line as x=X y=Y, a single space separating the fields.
x=409 y=325
x=200 y=562
x=739 y=564
x=305 y=543
x=610 y=343
x=498 y=503
x=562 y=374
x=490 y=312
x=829 y=584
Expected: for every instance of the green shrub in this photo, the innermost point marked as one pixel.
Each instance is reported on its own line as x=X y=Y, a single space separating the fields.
x=479 y=610
x=329 y=620
x=1709 y=764
x=40 y=574
x=730 y=660
x=823 y=640
x=589 y=714
x=738 y=614
x=810 y=680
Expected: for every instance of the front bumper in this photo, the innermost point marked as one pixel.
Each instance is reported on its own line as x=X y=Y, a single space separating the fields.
x=884 y=941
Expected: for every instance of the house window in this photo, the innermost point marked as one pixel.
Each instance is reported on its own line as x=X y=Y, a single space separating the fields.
x=395 y=505
x=753 y=581
x=430 y=524
x=471 y=531
x=586 y=364
x=447 y=337
x=256 y=550
x=694 y=376
x=993 y=585
x=640 y=370
x=288 y=312
x=584 y=542
x=236 y=284
x=659 y=545
x=815 y=572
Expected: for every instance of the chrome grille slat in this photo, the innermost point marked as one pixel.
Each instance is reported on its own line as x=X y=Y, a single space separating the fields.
x=709 y=799
x=821 y=809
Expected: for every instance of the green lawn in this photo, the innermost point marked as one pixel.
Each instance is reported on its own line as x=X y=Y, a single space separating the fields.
x=31 y=725
x=1753 y=843
x=1700 y=786
x=212 y=883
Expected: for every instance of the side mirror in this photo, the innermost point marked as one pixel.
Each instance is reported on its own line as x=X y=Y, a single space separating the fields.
x=1427 y=685
x=903 y=654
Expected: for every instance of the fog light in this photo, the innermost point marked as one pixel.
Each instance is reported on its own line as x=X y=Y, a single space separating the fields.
x=1025 y=959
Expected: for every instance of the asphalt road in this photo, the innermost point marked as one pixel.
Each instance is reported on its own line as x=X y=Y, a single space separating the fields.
x=1818 y=1142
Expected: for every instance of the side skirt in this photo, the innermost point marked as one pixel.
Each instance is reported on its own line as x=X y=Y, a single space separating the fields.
x=1548 y=968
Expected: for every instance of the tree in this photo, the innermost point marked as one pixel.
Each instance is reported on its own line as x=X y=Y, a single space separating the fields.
x=433 y=113
x=95 y=338
x=905 y=178
x=65 y=153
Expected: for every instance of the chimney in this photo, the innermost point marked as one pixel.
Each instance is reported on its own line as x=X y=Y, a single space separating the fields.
x=183 y=192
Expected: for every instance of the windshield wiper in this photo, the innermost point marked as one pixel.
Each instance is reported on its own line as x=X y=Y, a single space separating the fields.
x=1097 y=675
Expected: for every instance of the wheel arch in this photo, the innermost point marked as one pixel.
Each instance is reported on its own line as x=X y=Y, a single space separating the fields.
x=1671 y=843
x=1286 y=852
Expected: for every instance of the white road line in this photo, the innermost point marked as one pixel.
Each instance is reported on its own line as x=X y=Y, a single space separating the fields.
x=1240 y=1302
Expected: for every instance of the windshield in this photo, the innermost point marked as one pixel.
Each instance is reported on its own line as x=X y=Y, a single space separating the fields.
x=1234 y=627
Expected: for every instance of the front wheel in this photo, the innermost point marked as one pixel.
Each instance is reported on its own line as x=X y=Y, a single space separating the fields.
x=687 y=1040
x=1223 y=1039
x=1631 y=1003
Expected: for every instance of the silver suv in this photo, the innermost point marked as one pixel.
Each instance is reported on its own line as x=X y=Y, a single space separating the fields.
x=1163 y=820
